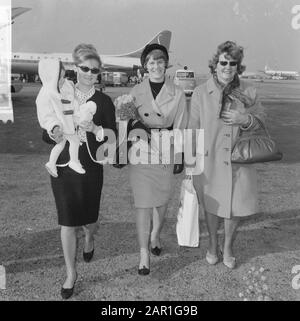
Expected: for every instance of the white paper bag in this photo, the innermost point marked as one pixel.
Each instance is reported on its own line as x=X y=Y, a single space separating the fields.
x=187 y=227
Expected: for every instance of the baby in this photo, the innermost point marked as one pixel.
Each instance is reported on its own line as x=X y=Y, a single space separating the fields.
x=56 y=107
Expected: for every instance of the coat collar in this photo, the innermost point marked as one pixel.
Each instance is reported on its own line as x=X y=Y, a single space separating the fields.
x=211 y=86
x=166 y=93
x=215 y=93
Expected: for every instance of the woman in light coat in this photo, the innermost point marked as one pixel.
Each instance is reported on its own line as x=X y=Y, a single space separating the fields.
x=162 y=107
x=222 y=106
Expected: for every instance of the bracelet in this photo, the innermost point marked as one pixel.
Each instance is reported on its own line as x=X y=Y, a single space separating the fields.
x=51 y=135
x=99 y=134
x=54 y=128
x=249 y=124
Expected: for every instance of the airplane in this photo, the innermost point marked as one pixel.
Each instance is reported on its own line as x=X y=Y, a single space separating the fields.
x=28 y=62
x=251 y=75
x=6 y=110
x=22 y=62
x=15 y=13
x=280 y=74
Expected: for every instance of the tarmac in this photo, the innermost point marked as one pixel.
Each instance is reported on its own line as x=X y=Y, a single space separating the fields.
x=267 y=247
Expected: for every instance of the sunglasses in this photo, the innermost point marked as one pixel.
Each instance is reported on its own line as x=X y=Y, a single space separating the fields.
x=225 y=63
x=94 y=71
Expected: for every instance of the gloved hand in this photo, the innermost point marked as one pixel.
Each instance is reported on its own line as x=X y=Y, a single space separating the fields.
x=120 y=149
x=178 y=168
x=137 y=124
x=179 y=163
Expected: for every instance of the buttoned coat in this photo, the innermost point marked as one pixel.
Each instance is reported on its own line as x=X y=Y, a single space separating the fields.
x=152 y=183
x=225 y=189
x=167 y=110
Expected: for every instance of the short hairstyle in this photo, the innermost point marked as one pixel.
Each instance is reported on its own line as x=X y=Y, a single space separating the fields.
x=84 y=52
x=233 y=51
x=156 y=54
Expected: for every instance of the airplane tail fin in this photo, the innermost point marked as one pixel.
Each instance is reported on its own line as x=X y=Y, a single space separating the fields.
x=15 y=12
x=162 y=38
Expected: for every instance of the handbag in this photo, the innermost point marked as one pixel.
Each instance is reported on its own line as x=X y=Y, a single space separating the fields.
x=187 y=227
x=255 y=146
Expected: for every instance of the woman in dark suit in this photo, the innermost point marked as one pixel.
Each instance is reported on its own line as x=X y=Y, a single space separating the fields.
x=77 y=196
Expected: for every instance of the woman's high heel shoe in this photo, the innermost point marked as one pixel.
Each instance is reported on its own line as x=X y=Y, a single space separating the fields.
x=66 y=293
x=156 y=250
x=211 y=259
x=229 y=261
x=144 y=270
x=87 y=256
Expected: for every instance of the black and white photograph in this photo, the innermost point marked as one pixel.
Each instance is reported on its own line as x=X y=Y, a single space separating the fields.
x=149 y=152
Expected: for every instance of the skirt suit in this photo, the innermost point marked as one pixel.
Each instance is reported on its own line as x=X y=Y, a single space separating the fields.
x=152 y=183
x=77 y=196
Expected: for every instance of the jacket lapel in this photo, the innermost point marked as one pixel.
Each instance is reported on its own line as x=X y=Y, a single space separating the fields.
x=143 y=94
x=166 y=93
x=215 y=93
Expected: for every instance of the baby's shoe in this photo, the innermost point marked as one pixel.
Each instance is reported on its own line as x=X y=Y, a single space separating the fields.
x=51 y=168
x=76 y=166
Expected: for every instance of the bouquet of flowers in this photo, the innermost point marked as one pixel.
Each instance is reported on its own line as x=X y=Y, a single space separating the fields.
x=128 y=118
x=126 y=108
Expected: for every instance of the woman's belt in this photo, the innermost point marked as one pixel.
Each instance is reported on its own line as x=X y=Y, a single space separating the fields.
x=159 y=129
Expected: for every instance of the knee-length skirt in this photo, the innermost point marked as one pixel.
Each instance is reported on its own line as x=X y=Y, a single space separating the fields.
x=151 y=185
x=77 y=196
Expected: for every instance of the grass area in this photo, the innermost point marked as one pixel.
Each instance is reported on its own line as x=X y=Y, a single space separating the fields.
x=30 y=243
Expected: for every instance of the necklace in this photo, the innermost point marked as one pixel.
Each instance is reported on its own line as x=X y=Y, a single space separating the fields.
x=82 y=98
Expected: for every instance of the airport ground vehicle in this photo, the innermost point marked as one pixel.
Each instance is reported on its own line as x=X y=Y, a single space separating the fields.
x=16 y=86
x=120 y=79
x=185 y=78
x=107 y=78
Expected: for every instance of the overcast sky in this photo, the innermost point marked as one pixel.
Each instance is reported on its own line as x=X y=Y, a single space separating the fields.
x=262 y=27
